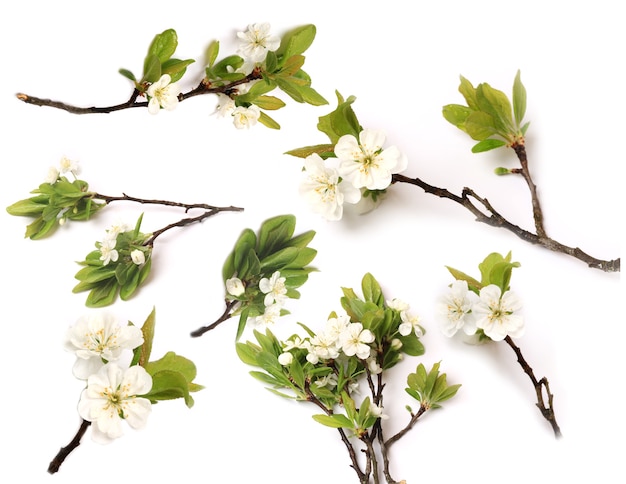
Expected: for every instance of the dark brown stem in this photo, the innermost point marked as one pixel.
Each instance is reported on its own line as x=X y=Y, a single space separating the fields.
x=55 y=464
x=224 y=317
x=520 y=151
x=410 y=425
x=486 y=213
x=363 y=477
x=540 y=385
x=187 y=206
x=203 y=88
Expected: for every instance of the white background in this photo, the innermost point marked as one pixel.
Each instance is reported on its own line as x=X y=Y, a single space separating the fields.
x=403 y=66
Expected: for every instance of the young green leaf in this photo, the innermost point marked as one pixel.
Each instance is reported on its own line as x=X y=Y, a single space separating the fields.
x=519 y=99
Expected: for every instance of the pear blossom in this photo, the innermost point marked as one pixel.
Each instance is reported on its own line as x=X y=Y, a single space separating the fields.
x=256 y=42
x=274 y=289
x=245 y=117
x=235 y=287
x=108 y=251
x=355 y=341
x=69 y=166
x=495 y=313
x=365 y=163
x=99 y=338
x=323 y=190
x=454 y=310
x=138 y=257
x=163 y=94
x=113 y=395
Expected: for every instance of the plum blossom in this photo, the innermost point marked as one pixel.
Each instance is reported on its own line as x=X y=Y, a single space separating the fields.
x=69 y=166
x=410 y=323
x=52 y=176
x=138 y=257
x=246 y=117
x=324 y=346
x=355 y=341
x=274 y=289
x=271 y=314
x=495 y=313
x=99 y=338
x=108 y=251
x=365 y=163
x=256 y=42
x=163 y=94
x=112 y=395
x=285 y=358
x=454 y=310
x=323 y=190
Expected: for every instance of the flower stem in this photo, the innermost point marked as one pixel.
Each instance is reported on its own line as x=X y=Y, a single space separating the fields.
x=486 y=213
x=540 y=386
x=55 y=464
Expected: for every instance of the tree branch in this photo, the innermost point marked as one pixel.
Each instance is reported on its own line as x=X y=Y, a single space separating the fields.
x=55 y=464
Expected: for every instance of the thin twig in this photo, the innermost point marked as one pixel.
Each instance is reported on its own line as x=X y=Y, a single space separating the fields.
x=486 y=213
x=540 y=385
x=55 y=464
x=224 y=317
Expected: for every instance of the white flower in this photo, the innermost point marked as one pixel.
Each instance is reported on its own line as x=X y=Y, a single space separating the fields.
x=323 y=191
x=329 y=381
x=69 y=166
x=410 y=322
x=364 y=162
x=52 y=176
x=396 y=344
x=354 y=341
x=107 y=251
x=138 y=257
x=373 y=366
x=274 y=289
x=454 y=310
x=98 y=338
x=256 y=41
x=323 y=346
x=336 y=326
x=163 y=94
x=296 y=342
x=114 y=230
x=225 y=106
x=285 y=359
x=495 y=313
x=398 y=304
x=112 y=396
x=271 y=314
x=235 y=287
x=376 y=411
x=245 y=117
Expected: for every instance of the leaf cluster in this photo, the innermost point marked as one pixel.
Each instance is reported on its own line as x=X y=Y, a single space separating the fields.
x=53 y=204
x=281 y=69
x=172 y=375
x=260 y=254
x=494 y=269
x=121 y=277
x=159 y=61
x=489 y=116
x=430 y=388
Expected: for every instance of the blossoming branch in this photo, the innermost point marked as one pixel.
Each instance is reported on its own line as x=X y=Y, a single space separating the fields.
x=241 y=81
x=356 y=168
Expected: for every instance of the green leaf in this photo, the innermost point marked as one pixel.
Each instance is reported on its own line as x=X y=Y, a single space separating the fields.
x=243 y=318
x=247 y=353
x=93 y=274
x=469 y=93
x=296 y=42
x=269 y=102
x=323 y=150
x=456 y=114
x=245 y=242
x=164 y=45
x=147 y=330
x=301 y=240
x=480 y=125
x=152 y=69
x=487 y=145
x=169 y=385
x=341 y=121
x=30 y=207
x=128 y=74
x=411 y=345
x=211 y=53
x=175 y=68
x=472 y=283
x=102 y=295
x=497 y=104
x=519 y=99
x=275 y=233
x=172 y=361
x=371 y=290
x=336 y=421
x=268 y=121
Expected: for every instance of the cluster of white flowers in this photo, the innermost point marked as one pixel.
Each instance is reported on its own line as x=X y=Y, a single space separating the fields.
x=163 y=94
x=410 y=322
x=490 y=311
x=113 y=391
x=275 y=297
x=361 y=165
x=65 y=166
x=109 y=242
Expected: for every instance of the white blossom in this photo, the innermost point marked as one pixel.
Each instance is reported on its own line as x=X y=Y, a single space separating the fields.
x=235 y=287
x=323 y=347
x=225 y=106
x=323 y=191
x=256 y=42
x=336 y=326
x=113 y=395
x=329 y=381
x=163 y=94
x=52 y=176
x=246 y=117
x=355 y=341
x=376 y=411
x=495 y=313
x=274 y=289
x=271 y=314
x=410 y=322
x=138 y=257
x=285 y=358
x=365 y=163
x=108 y=251
x=69 y=166
x=454 y=310
x=98 y=338
x=373 y=366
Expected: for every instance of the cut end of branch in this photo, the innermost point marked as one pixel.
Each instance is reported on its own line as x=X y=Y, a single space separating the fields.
x=21 y=96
